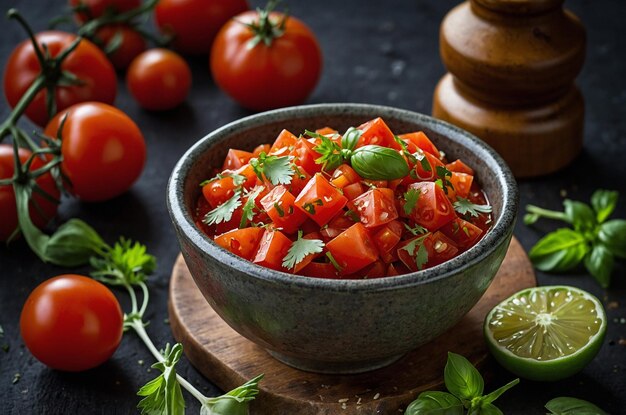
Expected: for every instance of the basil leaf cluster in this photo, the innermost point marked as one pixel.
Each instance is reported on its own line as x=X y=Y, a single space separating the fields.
x=465 y=391
x=592 y=240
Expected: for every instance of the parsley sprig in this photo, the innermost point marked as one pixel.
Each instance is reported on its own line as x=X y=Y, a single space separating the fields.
x=278 y=170
x=250 y=206
x=300 y=249
x=224 y=212
x=443 y=178
x=466 y=208
x=593 y=240
x=411 y=197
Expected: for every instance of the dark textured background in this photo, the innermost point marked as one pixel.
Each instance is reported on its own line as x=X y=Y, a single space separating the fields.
x=375 y=52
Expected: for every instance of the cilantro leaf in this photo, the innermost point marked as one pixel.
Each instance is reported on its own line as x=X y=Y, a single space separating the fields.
x=443 y=174
x=224 y=212
x=238 y=179
x=300 y=249
x=163 y=394
x=410 y=197
x=126 y=263
x=249 y=206
x=333 y=261
x=418 y=251
x=278 y=170
x=330 y=151
x=416 y=230
x=465 y=207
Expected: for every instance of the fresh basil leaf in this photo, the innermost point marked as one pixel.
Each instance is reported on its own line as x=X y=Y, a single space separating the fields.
x=462 y=379
x=350 y=138
x=599 y=263
x=379 y=163
x=73 y=244
x=572 y=406
x=498 y=392
x=604 y=202
x=435 y=403
x=559 y=251
x=613 y=235
x=488 y=409
x=580 y=215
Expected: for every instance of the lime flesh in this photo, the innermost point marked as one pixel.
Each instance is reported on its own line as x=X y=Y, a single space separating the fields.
x=546 y=333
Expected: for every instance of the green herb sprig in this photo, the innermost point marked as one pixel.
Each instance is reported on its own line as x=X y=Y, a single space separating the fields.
x=300 y=249
x=465 y=391
x=593 y=240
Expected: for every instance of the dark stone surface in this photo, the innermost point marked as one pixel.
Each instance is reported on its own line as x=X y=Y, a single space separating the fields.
x=383 y=53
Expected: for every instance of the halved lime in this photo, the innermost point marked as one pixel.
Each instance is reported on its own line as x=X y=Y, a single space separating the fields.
x=546 y=333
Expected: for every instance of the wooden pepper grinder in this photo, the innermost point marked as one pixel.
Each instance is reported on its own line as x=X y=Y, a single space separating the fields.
x=512 y=65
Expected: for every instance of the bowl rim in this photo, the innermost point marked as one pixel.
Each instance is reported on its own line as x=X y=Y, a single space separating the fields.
x=501 y=229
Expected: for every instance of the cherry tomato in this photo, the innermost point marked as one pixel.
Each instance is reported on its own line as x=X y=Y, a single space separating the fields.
x=194 y=23
x=103 y=150
x=266 y=76
x=96 y=8
x=71 y=323
x=86 y=62
x=131 y=44
x=41 y=208
x=159 y=79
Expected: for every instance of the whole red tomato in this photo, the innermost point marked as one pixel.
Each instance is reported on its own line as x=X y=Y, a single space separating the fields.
x=45 y=210
x=159 y=79
x=96 y=8
x=264 y=69
x=72 y=323
x=103 y=150
x=194 y=23
x=131 y=44
x=87 y=62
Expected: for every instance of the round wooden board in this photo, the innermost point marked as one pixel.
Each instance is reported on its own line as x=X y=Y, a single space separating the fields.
x=228 y=359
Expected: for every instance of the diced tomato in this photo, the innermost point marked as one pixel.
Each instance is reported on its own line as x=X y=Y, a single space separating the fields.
x=202 y=208
x=439 y=248
x=304 y=155
x=377 y=270
x=463 y=233
x=397 y=268
x=272 y=250
x=231 y=224
x=283 y=143
x=377 y=132
x=422 y=141
x=320 y=200
x=219 y=191
x=387 y=236
x=375 y=183
x=263 y=148
x=336 y=225
x=309 y=226
x=353 y=249
x=433 y=208
x=459 y=167
x=329 y=132
x=236 y=158
x=320 y=270
x=310 y=257
x=280 y=207
x=428 y=172
x=343 y=176
x=461 y=185
x=299 y=179
x=375 y=207
x=354 y=190
x=242 y=242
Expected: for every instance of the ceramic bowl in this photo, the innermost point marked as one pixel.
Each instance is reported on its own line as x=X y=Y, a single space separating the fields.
x=339 y=326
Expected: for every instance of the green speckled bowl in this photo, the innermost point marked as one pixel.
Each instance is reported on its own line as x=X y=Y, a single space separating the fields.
x=339 y=326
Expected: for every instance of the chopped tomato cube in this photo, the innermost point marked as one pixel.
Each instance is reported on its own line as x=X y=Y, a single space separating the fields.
x=422 y=141
x=272 y=250
x=378 y=133
x=460 y=167
x=320 y=270
x=320 y=200
x=343 y=176
x=463 y=233
x=235 y=159
x=327 y=131
x=304 y=155
x=299 y=179
x=310 y=257
x=353 y=249
x=263 y=148
x=241 y=242
x=438 y=247
x=429 y=171
x=337 y=225
x=283 y=143
x=377 y=270
x=461 y=185
x=375 y=207
x=433 y=208
x=354 y=190
x=387 y=236
x=280 y=207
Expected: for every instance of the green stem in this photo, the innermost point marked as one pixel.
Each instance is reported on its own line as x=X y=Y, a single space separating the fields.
x=36 y=239
x=133 y=300
x=38 y=84
x=139 y=328
x=546 y=213
x=146 y=298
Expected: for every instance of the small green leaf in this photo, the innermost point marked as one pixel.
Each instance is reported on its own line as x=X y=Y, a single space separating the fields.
x=249 y=206
x=488 y=409
x=73 y=244
x=410 y=197
x=599 y=262
x=559 y=251
x=498 y=392
x=435 y=403
x=224 y=212
x=466 y=208
x=613 y=235
x=379 y=163
x=300 y=249
x=462 y=379
x=126 y=263
x=604 y=202
x=580 y=215
x=235 y=402
x=350 y=138
x=163 y=395
x=330 y=152
x=278 y=170
x=572 y=406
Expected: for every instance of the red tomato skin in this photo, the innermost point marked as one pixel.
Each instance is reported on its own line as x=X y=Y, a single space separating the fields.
x=159 y=79
x=8 y=208
x=433 y=208
x=304 y=156
x=272 y=250
x=283 y=143
x=266 y=77
x=376 y=207
x=242 y=242
x=461 y=185
x=132 y=44
x=459 y=167
x=71 y=323
x=103 y=150
x=194 y=23
x=353 y=249
x=423 y=174
x=98 y=7
x=377 y=132
x=422 y=141
x=292 y=217
x=320 y=200
x=87 y=62
x=236 y=159
x=320 y=270
x=463 y=233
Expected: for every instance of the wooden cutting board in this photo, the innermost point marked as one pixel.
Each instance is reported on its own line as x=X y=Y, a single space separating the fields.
x=228 y=359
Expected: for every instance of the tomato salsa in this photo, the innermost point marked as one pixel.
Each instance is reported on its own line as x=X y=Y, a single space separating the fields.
x=363 y=204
